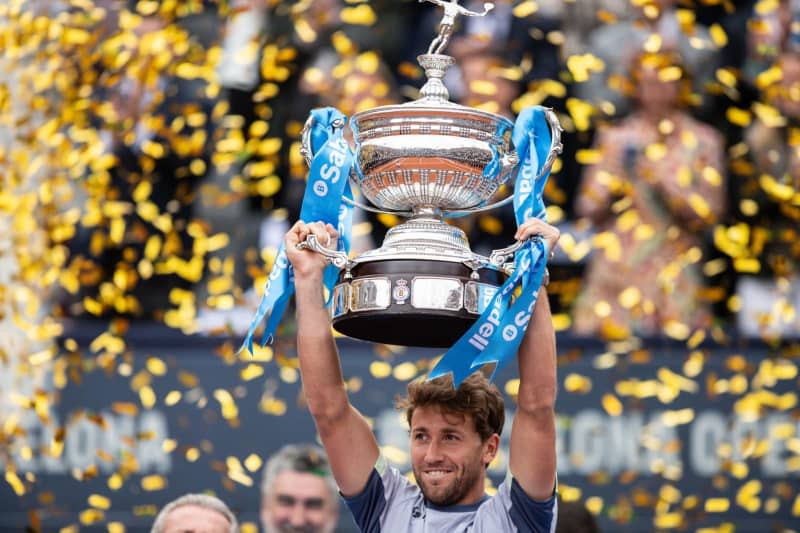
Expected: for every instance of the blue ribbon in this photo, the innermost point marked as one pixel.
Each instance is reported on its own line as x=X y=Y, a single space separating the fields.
x=496 y=335
x=327 y=185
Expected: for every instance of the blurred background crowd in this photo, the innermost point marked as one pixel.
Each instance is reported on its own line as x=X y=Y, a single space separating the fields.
x=154 y=146
x=150 y=158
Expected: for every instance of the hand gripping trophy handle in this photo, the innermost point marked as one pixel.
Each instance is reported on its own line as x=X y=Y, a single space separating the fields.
x=335 y=257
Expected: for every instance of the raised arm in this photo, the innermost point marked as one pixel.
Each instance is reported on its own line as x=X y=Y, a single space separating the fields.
x=346 y=436
x=533 y=433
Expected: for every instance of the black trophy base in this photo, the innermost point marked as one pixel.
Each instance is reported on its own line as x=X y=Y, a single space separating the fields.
x=389 y=301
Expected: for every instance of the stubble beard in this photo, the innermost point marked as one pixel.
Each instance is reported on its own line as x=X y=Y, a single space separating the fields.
x=453 y=493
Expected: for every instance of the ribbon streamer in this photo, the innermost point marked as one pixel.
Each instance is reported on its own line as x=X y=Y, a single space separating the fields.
x=496 y=335
x=327 y=185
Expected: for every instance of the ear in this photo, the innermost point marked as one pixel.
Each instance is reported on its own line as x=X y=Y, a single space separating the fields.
x=490 y=448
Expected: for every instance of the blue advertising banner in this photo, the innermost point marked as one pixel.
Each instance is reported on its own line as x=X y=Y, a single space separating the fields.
x=655 y=437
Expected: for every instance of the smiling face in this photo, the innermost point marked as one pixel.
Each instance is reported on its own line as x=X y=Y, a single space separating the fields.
x=299 y=502
x=448 y=457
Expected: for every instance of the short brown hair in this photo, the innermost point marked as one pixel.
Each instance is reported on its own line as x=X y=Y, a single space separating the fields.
x=476 y=397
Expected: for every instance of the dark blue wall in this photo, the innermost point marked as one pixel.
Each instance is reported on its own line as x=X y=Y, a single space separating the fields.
x=627 y=460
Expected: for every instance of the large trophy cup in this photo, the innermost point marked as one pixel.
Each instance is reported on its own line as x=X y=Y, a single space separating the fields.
x=425 y=160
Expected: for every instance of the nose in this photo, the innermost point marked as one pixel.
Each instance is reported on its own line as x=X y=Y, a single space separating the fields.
x=298 y=515
x=433 y=453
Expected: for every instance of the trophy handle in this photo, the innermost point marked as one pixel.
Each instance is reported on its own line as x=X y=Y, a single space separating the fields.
x=335 y=257
x=556 y=148
x=307 y=153
x=306 y=150
x=499 y=257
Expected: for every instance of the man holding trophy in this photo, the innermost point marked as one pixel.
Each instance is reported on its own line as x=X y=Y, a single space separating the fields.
x=427 y=160
x=455 y=433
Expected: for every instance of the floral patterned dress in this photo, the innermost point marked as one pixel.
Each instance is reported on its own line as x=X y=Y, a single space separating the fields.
x=655 y=188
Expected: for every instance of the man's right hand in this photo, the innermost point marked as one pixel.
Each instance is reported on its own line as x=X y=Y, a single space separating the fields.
x=308 y=263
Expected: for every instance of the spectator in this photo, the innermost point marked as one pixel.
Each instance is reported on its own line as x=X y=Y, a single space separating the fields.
x=299 y=492
x=657 y=26
x=198 y=513
x=153 y=125
x=768 y=35
x=767 y=202
x=319 y=60
x=574 y=517
x=656 y=186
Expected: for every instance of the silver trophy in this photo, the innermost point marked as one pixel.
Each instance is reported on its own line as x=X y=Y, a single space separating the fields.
x=425 y=160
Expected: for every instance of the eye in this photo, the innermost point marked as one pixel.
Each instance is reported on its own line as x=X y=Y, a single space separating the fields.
x=284 y=500
x=418 y=436
x=451 y=437
x=314 y=503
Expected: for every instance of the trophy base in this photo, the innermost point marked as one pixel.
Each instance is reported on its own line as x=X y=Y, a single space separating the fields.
x=412 y=302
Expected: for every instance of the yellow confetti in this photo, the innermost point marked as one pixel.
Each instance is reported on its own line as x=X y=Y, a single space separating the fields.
x=125 y=408
x=147 y=397
x=588 y=157
x=253 y=462
x=361 y=14
x=653 y=43
x=91 y=516
x=153 y=483
x=404 y=371
x=251 y=371
x=576 y=383
x=611 y=404
x=273 y=406
x=99 y=502
x=525 y=8
x=380 y=369
x=16 y=484
x=156 y=366
x=717 y=505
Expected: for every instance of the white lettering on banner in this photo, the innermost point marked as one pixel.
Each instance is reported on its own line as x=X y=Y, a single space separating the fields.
x=591 y=441
x=773 y=464
x=526 y=184
x=84 y=438
x=344 y=212
x=337 y=157
x=278 y=268
x=480 y=340
x=332 y=169
x=708 y=432
x=320 y=188
x=528 y=213
x=486 y=295
x=282 y=263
